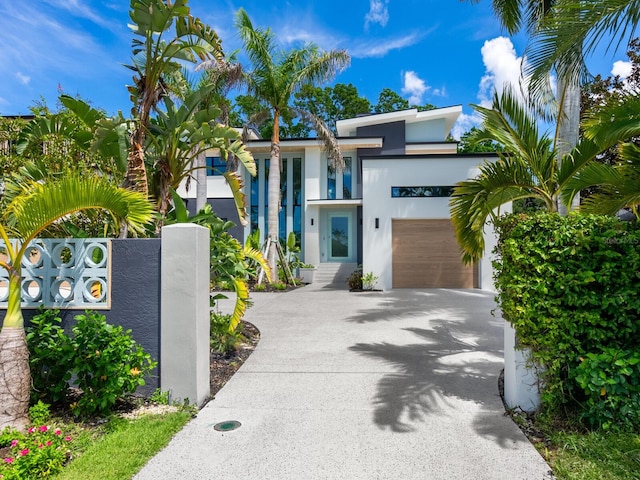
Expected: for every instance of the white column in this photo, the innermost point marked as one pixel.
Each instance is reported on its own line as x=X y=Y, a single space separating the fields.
x=184 y=317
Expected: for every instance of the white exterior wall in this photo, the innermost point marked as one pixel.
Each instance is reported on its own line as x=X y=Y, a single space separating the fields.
x=312 y=172
x=378 y=176
x=431 y=131
x=216 y=188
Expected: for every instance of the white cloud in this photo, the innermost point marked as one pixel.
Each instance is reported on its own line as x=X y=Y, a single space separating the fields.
x=415 y=87
x=464 y=124
x=22 y=78
x=502 y=65
x=378 y=13
x=380 y=47
x=622 y=69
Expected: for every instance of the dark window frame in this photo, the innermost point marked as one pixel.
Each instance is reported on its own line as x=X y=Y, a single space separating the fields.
x=427 y=191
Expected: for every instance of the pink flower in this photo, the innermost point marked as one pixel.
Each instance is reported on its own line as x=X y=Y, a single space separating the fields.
x=48 y=444
x=43 y=428
x=57 y=431
x=32 y=429
x=40 y=446
x=68 y=439
x=24 y=452
x=8 y=460
x=14 y=443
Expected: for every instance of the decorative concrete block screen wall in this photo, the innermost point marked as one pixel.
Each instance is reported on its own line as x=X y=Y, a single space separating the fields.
x=134 y=291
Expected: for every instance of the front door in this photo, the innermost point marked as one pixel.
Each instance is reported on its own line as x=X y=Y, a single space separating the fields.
x=340 y=236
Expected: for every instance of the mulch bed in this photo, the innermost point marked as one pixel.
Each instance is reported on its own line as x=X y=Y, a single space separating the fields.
x=223 y=366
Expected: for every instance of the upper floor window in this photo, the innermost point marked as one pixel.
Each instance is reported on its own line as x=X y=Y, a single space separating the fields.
x=216 y=166
x=339 y=181
x=427 y=191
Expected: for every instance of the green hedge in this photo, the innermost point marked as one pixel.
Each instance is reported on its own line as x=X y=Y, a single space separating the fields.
x=571 y=287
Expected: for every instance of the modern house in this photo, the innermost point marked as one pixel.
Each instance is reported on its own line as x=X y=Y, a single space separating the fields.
x=387 y=210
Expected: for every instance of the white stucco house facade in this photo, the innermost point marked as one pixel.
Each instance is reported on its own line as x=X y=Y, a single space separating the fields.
x=388 y=210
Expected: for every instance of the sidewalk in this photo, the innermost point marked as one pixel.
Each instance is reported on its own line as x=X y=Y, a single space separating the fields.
x=394 y=385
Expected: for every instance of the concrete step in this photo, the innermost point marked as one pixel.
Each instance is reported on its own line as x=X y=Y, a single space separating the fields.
x=334 y=273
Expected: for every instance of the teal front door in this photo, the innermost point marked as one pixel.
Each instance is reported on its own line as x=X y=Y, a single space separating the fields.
x=340 y=237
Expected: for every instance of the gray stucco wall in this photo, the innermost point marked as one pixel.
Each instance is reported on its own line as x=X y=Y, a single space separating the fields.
x=393 y=134
x=224 y=208
x=135 y=298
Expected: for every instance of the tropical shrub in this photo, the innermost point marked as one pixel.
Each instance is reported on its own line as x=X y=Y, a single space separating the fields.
x=224 y=339
x=610 y=381
x=369 y=281
x=104 y=361
x=50 y=358
x=108 y=364
x=355 y=279
x=569 y=287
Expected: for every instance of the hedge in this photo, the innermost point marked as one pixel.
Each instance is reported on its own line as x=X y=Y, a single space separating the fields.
x=570 y=287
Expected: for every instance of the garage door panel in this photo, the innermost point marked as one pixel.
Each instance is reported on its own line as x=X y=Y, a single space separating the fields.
x=426 y=255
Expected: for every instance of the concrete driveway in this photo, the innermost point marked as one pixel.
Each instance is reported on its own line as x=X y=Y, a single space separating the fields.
x=400 y=384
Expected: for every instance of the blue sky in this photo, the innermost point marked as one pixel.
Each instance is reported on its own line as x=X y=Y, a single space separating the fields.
x=443 y=52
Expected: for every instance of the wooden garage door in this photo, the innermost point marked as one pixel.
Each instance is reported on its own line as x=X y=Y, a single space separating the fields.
x=426 y=255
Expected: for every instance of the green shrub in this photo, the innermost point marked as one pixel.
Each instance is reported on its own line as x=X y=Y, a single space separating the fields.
x=369 y=281
x=224 y=339
x=50 y=357
x=355 y=279
x=104 y=359
x=108 y=364
x=611 y=382
x=40 y=413
x=569 y=286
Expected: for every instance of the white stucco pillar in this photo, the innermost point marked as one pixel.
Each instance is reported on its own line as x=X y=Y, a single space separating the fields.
x=521 y=387
x=185 y=327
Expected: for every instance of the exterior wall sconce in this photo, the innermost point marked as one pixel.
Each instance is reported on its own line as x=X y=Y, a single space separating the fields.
x=312 y=221
x=377 y=223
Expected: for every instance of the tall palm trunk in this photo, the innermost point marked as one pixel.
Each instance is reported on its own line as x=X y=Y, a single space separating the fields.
x=201 y=181
x=274 y=195
x=568 y=127
x=15 y=378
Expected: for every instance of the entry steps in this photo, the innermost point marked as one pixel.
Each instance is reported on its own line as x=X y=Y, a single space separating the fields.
x=336 y=274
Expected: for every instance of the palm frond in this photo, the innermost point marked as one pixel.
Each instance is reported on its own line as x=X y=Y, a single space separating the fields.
x=41 y=204
x=325 y=137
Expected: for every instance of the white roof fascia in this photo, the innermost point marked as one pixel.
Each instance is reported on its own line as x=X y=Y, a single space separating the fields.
x=294 y=144
x=349 y=126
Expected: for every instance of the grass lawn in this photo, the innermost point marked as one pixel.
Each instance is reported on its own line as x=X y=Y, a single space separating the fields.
x=594 y=456
x=125 y=448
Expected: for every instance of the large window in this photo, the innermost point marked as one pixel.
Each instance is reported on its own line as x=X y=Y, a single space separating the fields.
x=403 y=192
x=339 y=184
x=216 y=166
x=290 y=212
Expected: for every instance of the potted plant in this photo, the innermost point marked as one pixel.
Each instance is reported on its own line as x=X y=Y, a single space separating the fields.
x=306 y=272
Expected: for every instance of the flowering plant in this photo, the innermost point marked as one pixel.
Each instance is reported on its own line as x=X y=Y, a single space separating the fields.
x=39 y=453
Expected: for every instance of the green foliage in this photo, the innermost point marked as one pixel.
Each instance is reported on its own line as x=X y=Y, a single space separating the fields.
x=108 y=364
x=611 y=382
x=369 y=281
x=279 y=286
x=103 y=360
x=355 y=279
x=224 y=339
x=569 y=287
x=159 y=397
x=50 y=358
x=40 y=413
x=39 y=453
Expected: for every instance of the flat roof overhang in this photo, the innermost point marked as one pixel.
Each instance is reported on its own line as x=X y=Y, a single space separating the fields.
x=336 y=203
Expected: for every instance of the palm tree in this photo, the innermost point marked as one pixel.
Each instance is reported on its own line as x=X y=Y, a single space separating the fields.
x=38 y=205
x=534 y=16
x=275 y=77
x=528 y=170
x=181 y=133
x=154 y=58
x=618 y=185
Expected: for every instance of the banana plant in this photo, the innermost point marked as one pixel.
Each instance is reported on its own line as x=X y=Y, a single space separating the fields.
x=36 y=206
x=230 y=261
x=182 y=132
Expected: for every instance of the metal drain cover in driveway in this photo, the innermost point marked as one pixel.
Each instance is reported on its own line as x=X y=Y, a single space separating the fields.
x=227 y=426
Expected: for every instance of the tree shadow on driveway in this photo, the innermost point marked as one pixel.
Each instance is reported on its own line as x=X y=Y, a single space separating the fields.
x=452 y=371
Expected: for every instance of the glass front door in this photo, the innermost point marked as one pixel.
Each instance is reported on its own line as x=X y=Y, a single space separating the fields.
x=340 y=237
